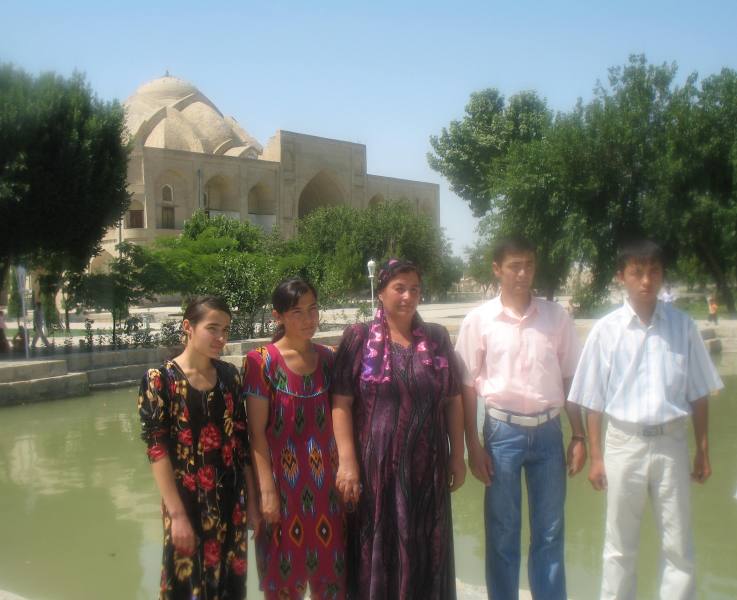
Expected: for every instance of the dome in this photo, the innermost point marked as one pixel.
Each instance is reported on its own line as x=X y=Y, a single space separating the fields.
x=171 y=113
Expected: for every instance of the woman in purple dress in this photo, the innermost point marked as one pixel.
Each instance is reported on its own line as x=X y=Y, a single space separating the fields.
x=398 y=423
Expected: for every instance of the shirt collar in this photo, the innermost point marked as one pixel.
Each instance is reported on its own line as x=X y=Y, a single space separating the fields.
x=632 y=317
x=498 y=309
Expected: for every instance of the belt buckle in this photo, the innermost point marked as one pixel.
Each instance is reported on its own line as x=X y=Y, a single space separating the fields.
x=652 y=430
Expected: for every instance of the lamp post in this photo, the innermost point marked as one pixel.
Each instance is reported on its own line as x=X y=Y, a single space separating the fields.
x=371 y=274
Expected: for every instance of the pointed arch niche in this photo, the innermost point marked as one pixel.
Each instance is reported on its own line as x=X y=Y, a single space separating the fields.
x=322 y=190
x=262 y=207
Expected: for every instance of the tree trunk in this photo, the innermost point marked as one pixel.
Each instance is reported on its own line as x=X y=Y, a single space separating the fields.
x=712 y=264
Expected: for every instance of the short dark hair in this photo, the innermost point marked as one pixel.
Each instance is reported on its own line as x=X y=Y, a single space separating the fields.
x=198 y=306
x=639 y=250
x=512 y=244
x=286 y=295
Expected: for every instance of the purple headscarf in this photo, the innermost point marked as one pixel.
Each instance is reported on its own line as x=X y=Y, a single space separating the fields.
x=376 y=364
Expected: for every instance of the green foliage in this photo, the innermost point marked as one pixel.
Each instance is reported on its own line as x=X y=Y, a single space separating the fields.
x=126 y=283
x=643 y=157
x=341 y=240
x=63 y=170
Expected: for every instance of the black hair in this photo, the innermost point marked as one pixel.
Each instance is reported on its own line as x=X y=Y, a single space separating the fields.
x=394 y=267
x=639 y=250
x=287 y=295
x=198 y=306
x=513 y=244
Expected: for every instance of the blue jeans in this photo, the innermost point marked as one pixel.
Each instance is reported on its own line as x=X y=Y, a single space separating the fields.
x=540 y=451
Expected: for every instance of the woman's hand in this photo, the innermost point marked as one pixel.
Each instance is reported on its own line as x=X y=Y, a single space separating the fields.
x=254 y=518
x=182 y=534
x=348 y=481
x=456 y=472
x=270 y=506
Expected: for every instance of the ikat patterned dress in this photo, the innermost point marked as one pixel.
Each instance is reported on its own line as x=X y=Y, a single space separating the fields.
x=204 y=434
x=307 y=546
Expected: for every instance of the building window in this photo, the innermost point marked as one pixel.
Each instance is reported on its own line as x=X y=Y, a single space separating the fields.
x=167 y=217
x=135 y=219
x=167 y=195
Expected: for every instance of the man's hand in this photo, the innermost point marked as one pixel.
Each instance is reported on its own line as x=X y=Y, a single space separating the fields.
x=597 y=474
x=576 y=456
x=480 y=462
x=701 y=467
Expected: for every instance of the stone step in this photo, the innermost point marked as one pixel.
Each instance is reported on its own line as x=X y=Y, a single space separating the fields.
x=48 y=388
x=27 y=370
x=113 y=375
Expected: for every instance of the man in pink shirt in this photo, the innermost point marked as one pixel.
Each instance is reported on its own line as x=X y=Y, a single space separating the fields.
x=520 y=354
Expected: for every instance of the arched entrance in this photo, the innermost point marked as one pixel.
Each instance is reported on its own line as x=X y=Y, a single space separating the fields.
x=376 y=200
x=261 y=207
x=221 y=198
x=322 y=190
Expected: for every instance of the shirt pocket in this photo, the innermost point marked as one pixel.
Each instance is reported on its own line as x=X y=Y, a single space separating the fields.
x=674 y=375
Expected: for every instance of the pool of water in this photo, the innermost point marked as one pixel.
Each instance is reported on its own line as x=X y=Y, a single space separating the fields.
x=79 y=512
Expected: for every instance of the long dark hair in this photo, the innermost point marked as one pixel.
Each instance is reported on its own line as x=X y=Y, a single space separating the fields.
x=287 y=295
x=198 y=306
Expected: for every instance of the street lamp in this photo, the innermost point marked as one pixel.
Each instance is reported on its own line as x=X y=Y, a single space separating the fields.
x=372 y=273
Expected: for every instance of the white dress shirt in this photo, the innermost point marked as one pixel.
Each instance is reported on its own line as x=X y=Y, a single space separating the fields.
x=646 y=374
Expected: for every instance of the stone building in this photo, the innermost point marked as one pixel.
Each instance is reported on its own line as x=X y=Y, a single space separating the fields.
x=188 y=156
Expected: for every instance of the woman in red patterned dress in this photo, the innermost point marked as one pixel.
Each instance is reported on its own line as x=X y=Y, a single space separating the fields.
x=286 y=386
x=194 y=426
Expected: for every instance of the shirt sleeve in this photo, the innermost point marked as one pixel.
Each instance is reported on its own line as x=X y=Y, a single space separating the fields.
x=569 y=348
x=255 y=381
x=702 y=376
x=469 y=350
x=589 y=385
x=154 y=411
x=347 y=366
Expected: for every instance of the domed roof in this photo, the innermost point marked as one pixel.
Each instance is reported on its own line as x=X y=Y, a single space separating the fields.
x=172 y=113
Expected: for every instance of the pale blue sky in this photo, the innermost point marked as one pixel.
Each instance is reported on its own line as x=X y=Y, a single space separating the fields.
x=385 y=74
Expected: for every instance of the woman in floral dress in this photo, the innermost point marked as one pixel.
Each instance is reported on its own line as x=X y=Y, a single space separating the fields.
x=195 y=429
x=398 y=421
x=286 y=387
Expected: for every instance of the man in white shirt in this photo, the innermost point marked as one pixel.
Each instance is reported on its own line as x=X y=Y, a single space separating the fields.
x=646 y=366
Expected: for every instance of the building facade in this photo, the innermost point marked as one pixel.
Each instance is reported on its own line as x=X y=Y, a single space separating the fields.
x=187 y=156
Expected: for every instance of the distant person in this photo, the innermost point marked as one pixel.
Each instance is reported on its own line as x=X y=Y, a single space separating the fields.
x=667 y=295
x=38 y=326
x=713 y=311
x=194 y=426
x=520 y=353
x=286 y=389
x=19 y=339
x=646 y=366
x=4 y=345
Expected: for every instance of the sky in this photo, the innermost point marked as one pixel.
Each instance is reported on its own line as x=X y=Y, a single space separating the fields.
x=385 y=74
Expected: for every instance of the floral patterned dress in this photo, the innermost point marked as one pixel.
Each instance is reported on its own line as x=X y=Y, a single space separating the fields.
x=204 y=435
x=307 y=546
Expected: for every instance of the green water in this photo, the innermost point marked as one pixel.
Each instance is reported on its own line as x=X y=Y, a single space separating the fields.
x=79 y=513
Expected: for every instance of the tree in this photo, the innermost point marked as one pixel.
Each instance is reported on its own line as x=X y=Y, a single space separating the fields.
x=126 y=283
x=63 y=167
x=479 y=265
x=339 y=242
x=503 y=158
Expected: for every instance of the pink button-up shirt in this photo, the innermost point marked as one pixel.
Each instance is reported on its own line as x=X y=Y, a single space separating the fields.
x=518 y=364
